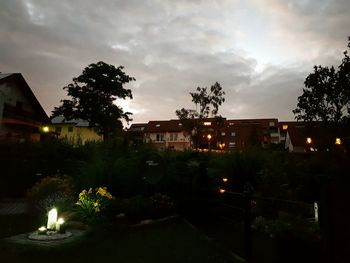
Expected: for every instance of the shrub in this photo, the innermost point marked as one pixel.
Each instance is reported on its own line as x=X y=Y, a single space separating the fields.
x=52 y=191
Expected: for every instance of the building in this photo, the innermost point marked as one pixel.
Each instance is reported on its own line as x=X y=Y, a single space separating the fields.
x=76 y=131
x=166 y=135
x=303 y=137
x=215 y=133
x=22 y=118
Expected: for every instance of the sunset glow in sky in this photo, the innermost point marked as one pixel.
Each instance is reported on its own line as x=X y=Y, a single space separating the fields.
x=260 y=51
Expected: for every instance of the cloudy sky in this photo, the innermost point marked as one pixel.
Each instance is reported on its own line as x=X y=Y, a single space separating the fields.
x=260 y=51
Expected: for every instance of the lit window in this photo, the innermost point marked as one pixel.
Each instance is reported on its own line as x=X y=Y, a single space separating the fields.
x=231 y=123
x=223 y=134
x=222 y=191
x=285 y=127
x=224 y=179
x=207 y=123
x=157 y=125
x=308 y=140
x=337 y=141
x=232 y=144
x=271 y=123
x=233 y=134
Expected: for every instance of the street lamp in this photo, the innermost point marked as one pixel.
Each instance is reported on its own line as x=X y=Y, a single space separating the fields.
x=209 y=137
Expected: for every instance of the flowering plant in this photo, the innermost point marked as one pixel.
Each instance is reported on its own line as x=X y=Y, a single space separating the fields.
x=92 y=202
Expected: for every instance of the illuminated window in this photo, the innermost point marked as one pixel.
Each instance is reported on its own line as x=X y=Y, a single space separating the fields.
x=157 y=125
x=207 y=123
x=233 y=134
x=285 y=127
x=308 y=140
x=271 y=123
x=232 y=144
x=223 y=134
x=337 y=141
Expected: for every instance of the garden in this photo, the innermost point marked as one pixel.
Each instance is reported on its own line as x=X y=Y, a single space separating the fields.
x=135 y=204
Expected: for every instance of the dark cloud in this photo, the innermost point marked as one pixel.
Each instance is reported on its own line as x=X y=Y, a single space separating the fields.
x=260 y=51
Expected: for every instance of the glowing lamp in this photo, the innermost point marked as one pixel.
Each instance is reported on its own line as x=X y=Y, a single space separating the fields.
x=337 y=141
x=308 y=140
x=209 y=136
x=316 y=211
x=52 y=219
x=46 y=129
x=222 y=191
x=224 y=180
x=59 y=222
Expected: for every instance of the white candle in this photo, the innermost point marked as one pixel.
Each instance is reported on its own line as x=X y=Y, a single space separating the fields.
x=52 y=219
x=59 y=222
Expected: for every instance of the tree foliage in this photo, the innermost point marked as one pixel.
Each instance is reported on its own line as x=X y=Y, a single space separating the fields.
x=92 y=96
x=207 y=105
x=326 y=96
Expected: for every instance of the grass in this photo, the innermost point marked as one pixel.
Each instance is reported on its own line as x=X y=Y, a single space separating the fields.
x=172 y=241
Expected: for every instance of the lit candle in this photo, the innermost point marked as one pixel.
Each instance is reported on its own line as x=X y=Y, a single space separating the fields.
x=52 y=219
x=59 y=222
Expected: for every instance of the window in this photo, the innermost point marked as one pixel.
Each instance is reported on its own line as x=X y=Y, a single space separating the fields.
x=232 y=144
x=233 y=134
x=271 y=123
x=157 y=125
x=223 y=133
x=284 y=127
x=207 y=123
x=231 y=123
x=70 y=129
x=58 y=129
x=159 y=137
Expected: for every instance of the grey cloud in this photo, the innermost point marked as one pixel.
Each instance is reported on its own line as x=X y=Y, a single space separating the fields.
x=170 y=47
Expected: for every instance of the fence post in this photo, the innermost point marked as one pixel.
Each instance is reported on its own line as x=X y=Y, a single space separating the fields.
x=247 y=222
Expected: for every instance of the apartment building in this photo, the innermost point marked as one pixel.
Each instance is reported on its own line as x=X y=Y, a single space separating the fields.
x=214 y=133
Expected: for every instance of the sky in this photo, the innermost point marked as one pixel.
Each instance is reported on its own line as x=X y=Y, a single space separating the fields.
x=260 y=51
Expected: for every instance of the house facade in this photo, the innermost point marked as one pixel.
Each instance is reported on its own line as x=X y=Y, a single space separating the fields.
x=75 y=131
x=22 y=118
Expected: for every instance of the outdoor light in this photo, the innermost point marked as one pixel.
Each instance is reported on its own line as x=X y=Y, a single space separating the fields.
x=209 y=136
x=222 y=191
x=316 y=211
x=42 y=228
x=337 y=141
x=52 y=219
x=59 y=222
x=46 y=129
x=308 y=140
x=224 y=179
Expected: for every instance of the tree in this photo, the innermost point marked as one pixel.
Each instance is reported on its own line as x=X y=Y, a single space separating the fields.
x=326 y=96
x=207 y=105
x=92 y=96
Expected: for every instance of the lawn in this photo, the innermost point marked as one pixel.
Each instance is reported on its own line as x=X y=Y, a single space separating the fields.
x=171 y=241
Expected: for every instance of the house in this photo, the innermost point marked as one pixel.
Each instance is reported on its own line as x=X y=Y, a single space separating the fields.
x=135 y=132
x=168 y=134
x=76 y=131
x=304 y=137
x=22 y=118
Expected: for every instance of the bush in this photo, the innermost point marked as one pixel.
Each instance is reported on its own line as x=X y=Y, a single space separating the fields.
x=52 y=191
